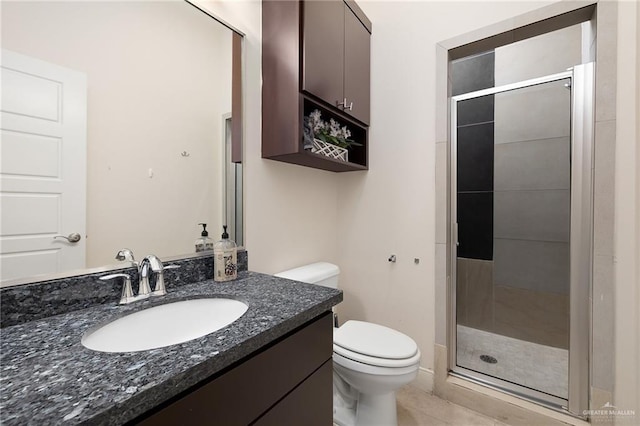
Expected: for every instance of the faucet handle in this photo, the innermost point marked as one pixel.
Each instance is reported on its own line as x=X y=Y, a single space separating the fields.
x=127 y=255
x=161 y=290
x=127 y=292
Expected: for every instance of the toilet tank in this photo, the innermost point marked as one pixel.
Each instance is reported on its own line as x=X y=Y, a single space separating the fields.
x=321 y=273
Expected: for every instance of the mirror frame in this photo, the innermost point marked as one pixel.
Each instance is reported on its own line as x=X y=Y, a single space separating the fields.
x=238 y=127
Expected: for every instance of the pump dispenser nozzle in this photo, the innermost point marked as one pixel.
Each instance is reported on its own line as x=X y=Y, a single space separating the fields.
x=204 y=242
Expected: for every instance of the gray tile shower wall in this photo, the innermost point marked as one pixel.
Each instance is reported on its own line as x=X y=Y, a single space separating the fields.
x=532 y=188
x=39 y=300
x=532 y=164
x=535 y=316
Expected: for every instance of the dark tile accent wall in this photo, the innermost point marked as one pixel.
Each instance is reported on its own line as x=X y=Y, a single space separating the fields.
x=42 y=299
x=475 y=157
x=475 y=150
x=473 y=73
x=475 y=225
x=476 y=110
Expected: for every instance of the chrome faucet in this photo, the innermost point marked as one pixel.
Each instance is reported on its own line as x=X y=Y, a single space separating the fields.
x=149 y=265
x=143 y=275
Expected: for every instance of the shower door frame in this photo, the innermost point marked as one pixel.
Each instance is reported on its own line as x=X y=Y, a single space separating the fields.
x=581 y=79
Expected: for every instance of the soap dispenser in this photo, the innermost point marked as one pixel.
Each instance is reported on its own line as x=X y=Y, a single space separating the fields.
x=204 y=242
x=225 y=258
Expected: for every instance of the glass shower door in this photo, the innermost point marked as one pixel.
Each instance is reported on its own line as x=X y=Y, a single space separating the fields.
x=512 y=207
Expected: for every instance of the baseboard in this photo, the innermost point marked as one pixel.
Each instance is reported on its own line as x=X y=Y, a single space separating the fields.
x=424 y=381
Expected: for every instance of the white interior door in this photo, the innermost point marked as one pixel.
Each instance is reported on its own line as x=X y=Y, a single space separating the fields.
x=42 y=168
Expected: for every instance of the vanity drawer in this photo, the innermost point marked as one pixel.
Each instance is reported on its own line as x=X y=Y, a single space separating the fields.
x=284 y=372
x=309 y=404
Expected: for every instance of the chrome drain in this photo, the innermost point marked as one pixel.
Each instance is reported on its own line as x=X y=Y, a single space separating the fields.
x=489 y=359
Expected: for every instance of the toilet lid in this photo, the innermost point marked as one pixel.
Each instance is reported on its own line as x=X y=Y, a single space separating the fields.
x=374 y=340
x=373 y=361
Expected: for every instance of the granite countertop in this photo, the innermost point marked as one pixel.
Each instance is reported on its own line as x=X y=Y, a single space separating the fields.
x=48 y=377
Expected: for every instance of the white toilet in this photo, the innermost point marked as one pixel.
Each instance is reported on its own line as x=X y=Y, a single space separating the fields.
x=370 y=361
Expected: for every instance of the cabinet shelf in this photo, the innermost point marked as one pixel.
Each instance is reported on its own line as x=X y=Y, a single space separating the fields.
x=359 y=133
x=317 y=161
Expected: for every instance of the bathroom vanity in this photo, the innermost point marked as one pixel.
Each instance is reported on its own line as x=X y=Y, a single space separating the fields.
x=271 y=366
x=289 y=382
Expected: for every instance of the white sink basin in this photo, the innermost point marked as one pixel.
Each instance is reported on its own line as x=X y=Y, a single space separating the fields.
x=164 y=325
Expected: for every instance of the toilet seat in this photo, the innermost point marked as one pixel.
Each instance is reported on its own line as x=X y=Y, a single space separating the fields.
x=374 y=361
x=375 y=345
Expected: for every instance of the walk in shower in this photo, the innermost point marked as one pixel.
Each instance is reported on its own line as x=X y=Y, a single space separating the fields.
x=521 y=227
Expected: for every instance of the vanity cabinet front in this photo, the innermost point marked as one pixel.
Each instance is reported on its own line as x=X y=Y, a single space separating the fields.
x=336 y=58
x=315 y=60
x=288 y=383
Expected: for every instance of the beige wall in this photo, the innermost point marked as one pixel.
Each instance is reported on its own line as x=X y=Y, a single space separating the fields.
x=143 y=110
x=627 y=212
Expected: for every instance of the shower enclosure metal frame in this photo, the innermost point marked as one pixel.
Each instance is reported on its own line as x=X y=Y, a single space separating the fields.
x=581 y=229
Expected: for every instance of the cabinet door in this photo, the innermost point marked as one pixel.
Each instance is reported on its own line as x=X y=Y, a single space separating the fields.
x=323 y=49
x=357 y=57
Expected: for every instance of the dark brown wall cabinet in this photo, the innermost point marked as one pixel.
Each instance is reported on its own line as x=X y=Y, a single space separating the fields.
x=336 y=57
x=289 y=383
x=315 y=55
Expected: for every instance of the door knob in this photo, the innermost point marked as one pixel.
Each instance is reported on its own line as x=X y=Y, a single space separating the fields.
x=74 y=237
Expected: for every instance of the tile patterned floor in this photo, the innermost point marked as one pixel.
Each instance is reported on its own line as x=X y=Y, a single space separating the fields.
x=419 y=408
x=537 y=366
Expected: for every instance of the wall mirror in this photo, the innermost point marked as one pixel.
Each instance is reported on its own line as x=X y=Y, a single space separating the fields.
x=121 y=123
